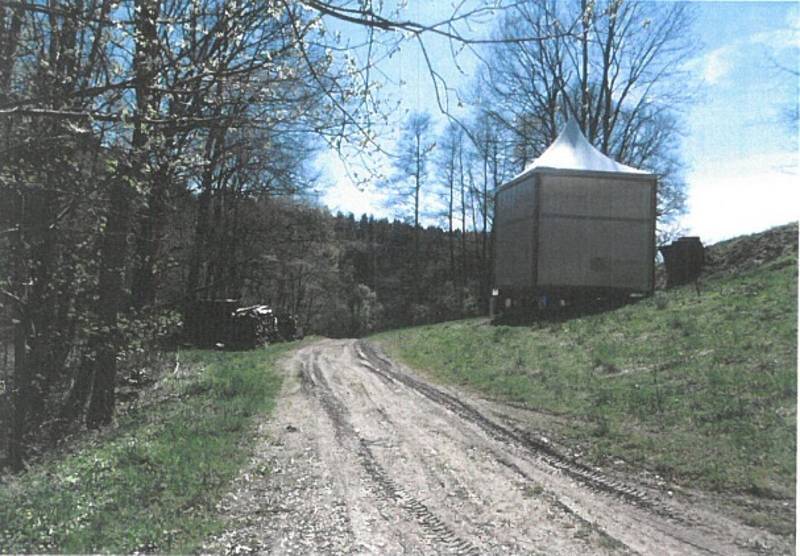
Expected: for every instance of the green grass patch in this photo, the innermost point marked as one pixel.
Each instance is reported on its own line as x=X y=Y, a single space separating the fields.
x=698 y=388
x=150 y=484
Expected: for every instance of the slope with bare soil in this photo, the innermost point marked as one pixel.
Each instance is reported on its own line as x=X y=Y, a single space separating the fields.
x=365 y=456
x=752 y=251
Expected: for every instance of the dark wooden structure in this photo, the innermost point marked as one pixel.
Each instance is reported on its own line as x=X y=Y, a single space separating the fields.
x=683 y=260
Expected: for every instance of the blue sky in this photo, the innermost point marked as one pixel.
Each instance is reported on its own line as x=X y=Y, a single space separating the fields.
x=741 y=157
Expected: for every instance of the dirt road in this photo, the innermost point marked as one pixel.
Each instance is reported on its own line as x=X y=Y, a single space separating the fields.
x=363 y=456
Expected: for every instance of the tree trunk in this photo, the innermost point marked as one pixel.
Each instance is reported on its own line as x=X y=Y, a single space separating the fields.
x=143 y=286
x=113 y=247
x=463 y=222
x=234 y=280
x=20 y=388
x=484 y=208
x=9 y=40
x=148 y=241
x=450 y=202
x=201 y=230
x=606 y=86
x=584 y=67
x=215 y=247
x=78 y=395
x=200 y=240
x=110 y=290
x=41 y=300
x=417 y=177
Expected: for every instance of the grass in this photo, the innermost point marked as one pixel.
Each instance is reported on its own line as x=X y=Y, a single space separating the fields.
x=700 y=389
x=151 y=483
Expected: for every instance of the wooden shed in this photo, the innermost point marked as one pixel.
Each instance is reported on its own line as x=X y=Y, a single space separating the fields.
x=575 y=222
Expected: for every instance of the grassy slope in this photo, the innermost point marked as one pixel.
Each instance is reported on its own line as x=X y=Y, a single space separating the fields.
x=697 y=388
x=151 y=484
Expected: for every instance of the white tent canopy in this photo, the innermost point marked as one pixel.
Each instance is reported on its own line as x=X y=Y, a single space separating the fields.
x=572 y=151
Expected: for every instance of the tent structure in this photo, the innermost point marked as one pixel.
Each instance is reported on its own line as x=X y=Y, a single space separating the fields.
x=572 y=151
x=575 y=221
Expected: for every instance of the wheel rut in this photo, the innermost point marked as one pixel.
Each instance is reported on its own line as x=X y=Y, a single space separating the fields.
x=378 y=364
x=674 y=524
x=438 y=530
x=367 y=457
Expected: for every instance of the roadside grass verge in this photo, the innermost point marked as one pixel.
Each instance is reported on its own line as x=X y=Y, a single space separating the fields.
x=151 y=483
x=699 y=389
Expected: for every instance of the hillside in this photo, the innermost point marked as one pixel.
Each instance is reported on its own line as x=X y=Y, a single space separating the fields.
x=695 y=389
x=752 y=251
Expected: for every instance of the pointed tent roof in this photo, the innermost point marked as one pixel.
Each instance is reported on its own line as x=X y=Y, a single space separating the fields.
x=572 y=151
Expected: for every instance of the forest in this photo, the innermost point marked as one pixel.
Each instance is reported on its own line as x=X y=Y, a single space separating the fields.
x=153 y=153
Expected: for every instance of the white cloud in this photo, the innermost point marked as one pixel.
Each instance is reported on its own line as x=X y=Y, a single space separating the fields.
x=784 y=36
x=346 y=197
x=717 y=64
x=744 y=196
x=347 y=185
x=713 y=65
x=352 y=187
x=793 y=18
x=777 y=39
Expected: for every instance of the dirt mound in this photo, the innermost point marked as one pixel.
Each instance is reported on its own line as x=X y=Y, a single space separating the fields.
x=747 y=252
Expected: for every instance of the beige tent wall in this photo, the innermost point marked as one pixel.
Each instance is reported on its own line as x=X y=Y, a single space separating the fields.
x=596 y=231
x=514 y=230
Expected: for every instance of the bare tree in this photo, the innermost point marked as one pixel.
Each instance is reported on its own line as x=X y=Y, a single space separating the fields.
x=621 y=78
x=106 y=109
x=450 y=172
x=411 y=160
x=790 y=112
x=490 y=166
x=132 y=104
x=48 y=167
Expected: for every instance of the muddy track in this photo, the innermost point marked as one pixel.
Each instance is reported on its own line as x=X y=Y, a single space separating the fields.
x=587 y=476
x=440 y=533
x=367 y=457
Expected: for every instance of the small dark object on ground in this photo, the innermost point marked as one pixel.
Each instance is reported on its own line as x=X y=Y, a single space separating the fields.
x=683 y=259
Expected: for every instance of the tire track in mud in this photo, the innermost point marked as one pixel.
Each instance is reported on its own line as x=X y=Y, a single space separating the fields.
x=370 y=359
x=590 y=478
x=366 y=457
x=438 y=531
